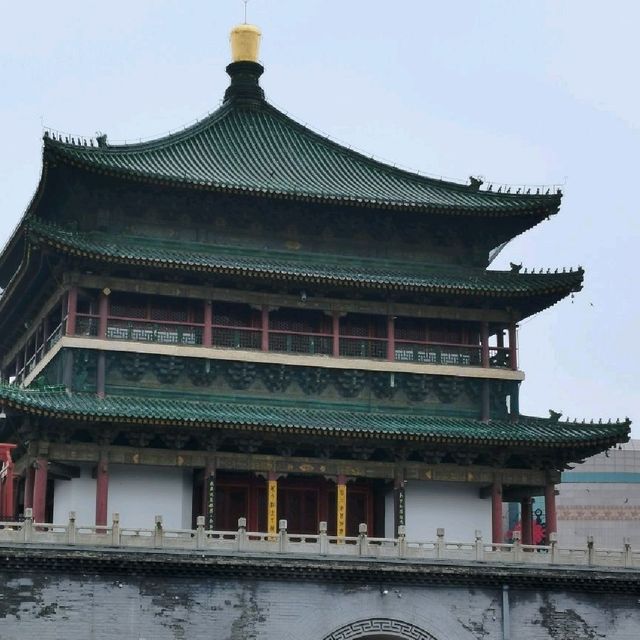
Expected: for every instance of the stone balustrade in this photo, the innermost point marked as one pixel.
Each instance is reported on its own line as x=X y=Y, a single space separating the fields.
x=116 y=536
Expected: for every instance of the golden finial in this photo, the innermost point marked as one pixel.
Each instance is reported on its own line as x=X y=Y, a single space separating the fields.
x=245 y=41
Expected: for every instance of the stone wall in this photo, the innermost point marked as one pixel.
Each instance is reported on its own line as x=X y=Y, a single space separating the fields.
x=162 y=603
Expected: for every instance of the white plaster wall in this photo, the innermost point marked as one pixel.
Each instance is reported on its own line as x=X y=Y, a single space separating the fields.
x=77 y=494
x=389 y=520
x=430 y=505
x=139 y=493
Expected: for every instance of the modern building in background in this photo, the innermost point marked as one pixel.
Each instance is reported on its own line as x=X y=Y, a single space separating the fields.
x=601 y=498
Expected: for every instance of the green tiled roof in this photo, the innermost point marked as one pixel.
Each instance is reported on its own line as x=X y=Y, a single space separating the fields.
x=256 y=149
x=317 y=268
x=371 y=423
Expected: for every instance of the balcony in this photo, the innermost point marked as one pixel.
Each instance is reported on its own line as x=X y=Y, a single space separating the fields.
x=293 y=342
x=222 y=325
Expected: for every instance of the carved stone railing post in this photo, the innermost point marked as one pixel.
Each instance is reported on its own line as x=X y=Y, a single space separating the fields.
x=242 y=534
x=71 y=528
x=363 y=541
x=158 y=533
x=115 y=529
x=553 y=543
x=322 y=537
x=517 y=546
x=200 y=539
x=282 y=536
x=479 y=546
x=27 y=528
x=440 y=544
x=590 y=551
x=402 y=541
x=628 y=553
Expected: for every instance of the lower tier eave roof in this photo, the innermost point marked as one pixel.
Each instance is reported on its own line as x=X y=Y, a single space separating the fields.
x=57 y=403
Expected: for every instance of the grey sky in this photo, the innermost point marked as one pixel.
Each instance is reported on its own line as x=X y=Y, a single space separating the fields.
x=519 y=92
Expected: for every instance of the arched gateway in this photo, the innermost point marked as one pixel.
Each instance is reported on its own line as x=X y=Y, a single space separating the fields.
x=380 y=629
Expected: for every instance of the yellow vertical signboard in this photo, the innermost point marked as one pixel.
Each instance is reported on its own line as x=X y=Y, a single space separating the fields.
x=272 y=506
x=341 y=516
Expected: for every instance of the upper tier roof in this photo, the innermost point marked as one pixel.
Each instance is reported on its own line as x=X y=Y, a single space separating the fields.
x=325 y=268
x=248 y=146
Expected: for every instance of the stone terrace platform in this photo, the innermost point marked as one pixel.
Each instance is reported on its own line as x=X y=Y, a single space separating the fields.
x=70 y=547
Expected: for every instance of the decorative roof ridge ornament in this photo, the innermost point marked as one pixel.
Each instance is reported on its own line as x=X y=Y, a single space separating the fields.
x=475 y=183
x=245 y=70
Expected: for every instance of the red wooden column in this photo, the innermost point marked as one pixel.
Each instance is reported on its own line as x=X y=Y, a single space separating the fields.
x=101 y=372
x=7 y=494
x=484 y=340
x=102 y=490
x=526 y=516
x=103 y=311
x=496 y=511
x=72 y=310
x=550 y=508
x=207 y=333
x=265 y=328
x=40 y=489
x=29 y=480
x=336 y=334
x=391 y=338
x=513 y=346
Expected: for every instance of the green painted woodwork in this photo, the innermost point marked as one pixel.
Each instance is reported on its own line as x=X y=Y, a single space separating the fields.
x=410 y=424
x=255 y=149
x=332 y=269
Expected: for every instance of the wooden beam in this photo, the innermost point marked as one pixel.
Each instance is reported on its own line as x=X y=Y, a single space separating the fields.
x=291 y=301
x=257 y=462
x=53 y=300
x=273 y=357
x=61 y=471
x=514 y=494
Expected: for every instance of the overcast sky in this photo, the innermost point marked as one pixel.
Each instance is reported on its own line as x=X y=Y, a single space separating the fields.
x=530 y=92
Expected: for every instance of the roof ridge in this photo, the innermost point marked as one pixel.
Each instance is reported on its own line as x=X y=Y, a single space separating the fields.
x=144 y=145
x=209 y=156
x=405 y=172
